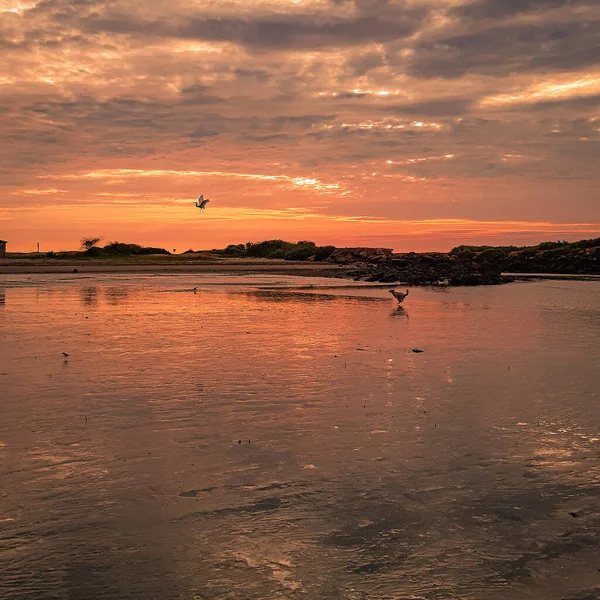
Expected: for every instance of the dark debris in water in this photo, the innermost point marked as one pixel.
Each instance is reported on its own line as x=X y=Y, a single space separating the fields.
x=268 y=504
x=370 y=567
x=194 y=493
x=592 y=594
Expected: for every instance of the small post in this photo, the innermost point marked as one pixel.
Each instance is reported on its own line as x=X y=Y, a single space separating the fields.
x=38 y=247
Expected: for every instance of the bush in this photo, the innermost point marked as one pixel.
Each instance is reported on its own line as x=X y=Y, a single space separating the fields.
x=90 y=242
x=301 y=251
x=236 y=249
x=267 y=248
x=593 y=243
x=122 y=249
x=279 y=253
x=553 y=245
x=491 y=255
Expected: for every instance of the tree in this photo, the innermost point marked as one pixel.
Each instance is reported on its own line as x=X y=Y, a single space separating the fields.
x=89 y=242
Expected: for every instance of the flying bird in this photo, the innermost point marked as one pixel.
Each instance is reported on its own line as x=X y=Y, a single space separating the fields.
x=398 y=295
x=202 y=202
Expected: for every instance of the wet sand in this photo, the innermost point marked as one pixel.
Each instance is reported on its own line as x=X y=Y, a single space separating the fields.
x=182 y=265
x=245 y=442
x=172 y=264
x=555 y=276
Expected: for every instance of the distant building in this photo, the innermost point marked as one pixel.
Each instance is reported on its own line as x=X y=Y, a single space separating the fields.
x=3 y=248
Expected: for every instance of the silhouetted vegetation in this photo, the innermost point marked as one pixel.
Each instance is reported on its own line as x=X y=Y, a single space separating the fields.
x=591 y=243
x=236 y=250
x=463 y=265
x=303 y=250
x=121 y=249
x=582 y=257
x=553 y=245
x=90 y=242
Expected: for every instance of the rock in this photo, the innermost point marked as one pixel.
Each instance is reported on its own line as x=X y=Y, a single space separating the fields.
x=354 y=255
x=467 y=267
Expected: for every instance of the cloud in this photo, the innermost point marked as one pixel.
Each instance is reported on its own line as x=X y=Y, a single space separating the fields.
x=368 y=22
x=358 y=94
x=448 y=107
x=508 y=48
x=492 y=9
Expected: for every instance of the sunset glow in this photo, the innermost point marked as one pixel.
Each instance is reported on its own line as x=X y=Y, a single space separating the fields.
x=413 y=125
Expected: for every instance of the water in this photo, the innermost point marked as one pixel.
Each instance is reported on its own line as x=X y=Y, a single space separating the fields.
x=365 y=470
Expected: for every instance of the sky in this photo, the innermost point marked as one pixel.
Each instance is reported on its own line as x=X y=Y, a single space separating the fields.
x=406 y=124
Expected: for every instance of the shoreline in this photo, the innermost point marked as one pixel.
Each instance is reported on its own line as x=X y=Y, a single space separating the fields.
x=232 y=266
x=556 y=276
x=461 y=266
x=237 y=266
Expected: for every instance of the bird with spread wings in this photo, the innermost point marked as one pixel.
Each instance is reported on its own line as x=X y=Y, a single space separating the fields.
x=202 y=202
x=398 y=295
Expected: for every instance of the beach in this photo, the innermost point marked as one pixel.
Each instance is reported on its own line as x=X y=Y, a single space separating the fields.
x=269 y=435
x=170 y=264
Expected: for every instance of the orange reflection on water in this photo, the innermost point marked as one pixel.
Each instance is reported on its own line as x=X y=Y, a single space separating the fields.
x=184 y=424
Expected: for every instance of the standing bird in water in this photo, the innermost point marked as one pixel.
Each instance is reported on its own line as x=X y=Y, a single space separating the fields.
x=201 y=203
x=398 y=295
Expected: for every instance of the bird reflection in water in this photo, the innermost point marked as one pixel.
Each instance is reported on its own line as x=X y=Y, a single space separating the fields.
x=399 y=312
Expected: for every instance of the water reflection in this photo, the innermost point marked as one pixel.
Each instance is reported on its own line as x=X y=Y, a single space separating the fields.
x=293 y=295
x=288 y=296
x=116 y=296
x=2 y=297
x=370 y=472
x=89 y=295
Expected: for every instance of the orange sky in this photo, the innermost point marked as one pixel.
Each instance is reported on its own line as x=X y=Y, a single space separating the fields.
x=409 y=124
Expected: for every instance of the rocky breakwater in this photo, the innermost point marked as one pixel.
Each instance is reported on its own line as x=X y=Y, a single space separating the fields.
x=430 y=268
x=570 y=261
x=353 y=256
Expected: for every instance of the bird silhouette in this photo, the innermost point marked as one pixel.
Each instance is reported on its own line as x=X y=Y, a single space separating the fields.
x=202 y=202
x=399 y=295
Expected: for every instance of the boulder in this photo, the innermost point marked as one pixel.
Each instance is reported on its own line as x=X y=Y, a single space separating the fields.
x=346 y=256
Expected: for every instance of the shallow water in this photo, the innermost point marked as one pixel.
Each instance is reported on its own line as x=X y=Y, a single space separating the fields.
x=365 y=470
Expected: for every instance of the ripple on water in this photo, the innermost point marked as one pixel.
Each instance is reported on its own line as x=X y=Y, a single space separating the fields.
x=364 y=470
